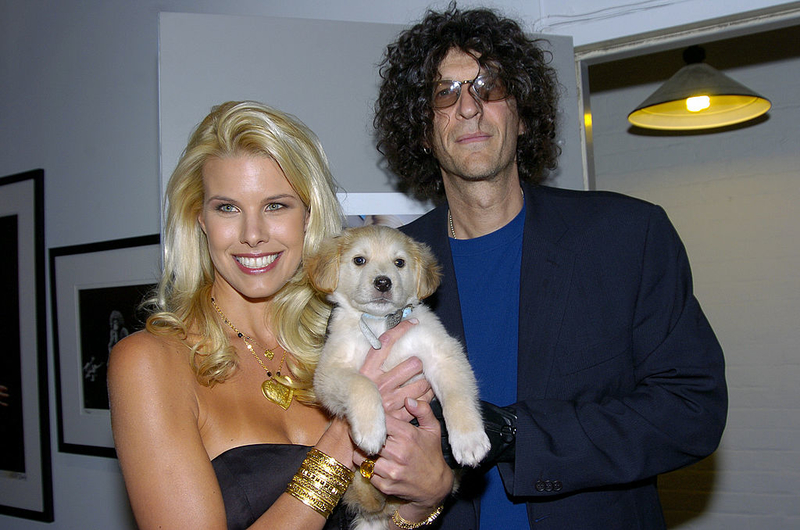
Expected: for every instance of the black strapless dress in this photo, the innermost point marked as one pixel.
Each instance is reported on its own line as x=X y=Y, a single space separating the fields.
x=252 y=477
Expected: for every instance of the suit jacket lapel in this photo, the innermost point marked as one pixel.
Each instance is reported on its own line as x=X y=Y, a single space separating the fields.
x=544 y=285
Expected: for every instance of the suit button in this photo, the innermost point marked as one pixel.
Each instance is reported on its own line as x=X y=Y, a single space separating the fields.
x=539 y=485
x=548 y=486
x=557 y=485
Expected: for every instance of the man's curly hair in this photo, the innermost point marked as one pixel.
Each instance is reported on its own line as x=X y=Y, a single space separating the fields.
x=403 y=112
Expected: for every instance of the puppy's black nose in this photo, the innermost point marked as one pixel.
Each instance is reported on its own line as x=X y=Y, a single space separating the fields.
x=382 y=283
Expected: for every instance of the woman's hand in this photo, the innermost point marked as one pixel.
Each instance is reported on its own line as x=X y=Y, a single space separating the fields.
x=411 y=465
x=396 y=385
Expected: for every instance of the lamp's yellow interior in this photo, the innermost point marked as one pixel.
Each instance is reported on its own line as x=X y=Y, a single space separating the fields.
x=721 y=111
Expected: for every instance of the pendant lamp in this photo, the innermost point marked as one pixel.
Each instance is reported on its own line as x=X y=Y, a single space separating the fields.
x=698 y=97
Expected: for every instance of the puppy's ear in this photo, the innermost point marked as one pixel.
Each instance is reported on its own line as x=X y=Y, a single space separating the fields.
x=322 y=268
x=429 y=272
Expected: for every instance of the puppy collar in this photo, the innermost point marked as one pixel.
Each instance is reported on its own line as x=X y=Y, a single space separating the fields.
x=392 y=320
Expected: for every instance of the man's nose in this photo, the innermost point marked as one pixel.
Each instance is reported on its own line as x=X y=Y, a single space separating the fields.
x=469 y=104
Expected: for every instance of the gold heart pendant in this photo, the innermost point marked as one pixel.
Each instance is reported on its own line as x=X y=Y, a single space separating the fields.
x=279 y=394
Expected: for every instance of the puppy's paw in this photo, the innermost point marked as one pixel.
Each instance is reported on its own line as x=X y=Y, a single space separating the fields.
x=469 y=448
x=368 y=434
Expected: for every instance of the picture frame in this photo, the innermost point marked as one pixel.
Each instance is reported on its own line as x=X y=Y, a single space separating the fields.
x=26 y=484
x=96 y=292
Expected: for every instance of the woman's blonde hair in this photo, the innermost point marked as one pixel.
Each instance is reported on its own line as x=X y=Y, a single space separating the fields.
x=182 y=305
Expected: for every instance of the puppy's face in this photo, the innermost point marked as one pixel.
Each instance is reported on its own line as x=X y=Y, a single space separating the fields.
x=377 y=274
x=374 y=269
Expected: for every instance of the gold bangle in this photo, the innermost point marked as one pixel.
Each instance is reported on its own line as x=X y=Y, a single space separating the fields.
x=408 y=525
x=319 y=461
x=320 y=482
x=333 y=474
x=313 y=487
x=328 y=462
x=308 y=498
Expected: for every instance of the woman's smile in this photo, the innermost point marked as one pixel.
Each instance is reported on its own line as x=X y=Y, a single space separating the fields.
x=255 y=264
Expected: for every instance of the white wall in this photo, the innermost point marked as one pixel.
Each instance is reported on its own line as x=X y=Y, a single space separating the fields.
x=78 y=81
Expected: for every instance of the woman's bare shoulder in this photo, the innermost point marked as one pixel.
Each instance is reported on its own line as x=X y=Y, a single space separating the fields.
x=145 y=353
x=145 y=345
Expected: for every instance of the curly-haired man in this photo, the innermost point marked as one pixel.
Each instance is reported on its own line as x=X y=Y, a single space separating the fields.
x=576 y=307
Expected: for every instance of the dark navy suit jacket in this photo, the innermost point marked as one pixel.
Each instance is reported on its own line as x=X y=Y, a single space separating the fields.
x=620 y=376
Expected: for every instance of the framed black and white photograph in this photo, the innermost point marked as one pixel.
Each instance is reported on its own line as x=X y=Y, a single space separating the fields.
x=96 y=290
x=26 y=488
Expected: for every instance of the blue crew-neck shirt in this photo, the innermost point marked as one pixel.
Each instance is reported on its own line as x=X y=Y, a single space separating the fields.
x=487 y=271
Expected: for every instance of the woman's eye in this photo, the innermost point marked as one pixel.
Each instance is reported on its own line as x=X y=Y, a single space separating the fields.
x=399 y=263
x=359 y=260
x=227 y=208
x=271 y=207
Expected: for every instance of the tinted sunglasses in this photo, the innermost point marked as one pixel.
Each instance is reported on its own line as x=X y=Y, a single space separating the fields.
x=486 y=87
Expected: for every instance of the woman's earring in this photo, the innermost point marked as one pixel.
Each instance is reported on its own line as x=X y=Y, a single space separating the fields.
x=426 y=150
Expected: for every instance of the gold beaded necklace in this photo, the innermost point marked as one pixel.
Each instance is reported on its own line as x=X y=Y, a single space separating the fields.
x=273 y=390
x=248 y=340
x=450 y=222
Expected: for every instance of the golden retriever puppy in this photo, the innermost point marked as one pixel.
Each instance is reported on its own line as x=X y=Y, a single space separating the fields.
x=376 y=277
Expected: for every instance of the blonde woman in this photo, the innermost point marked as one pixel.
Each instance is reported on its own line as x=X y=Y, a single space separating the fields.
x=212 y=408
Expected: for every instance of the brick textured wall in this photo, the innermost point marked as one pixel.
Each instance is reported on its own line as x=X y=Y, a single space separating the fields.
x=734 y=197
